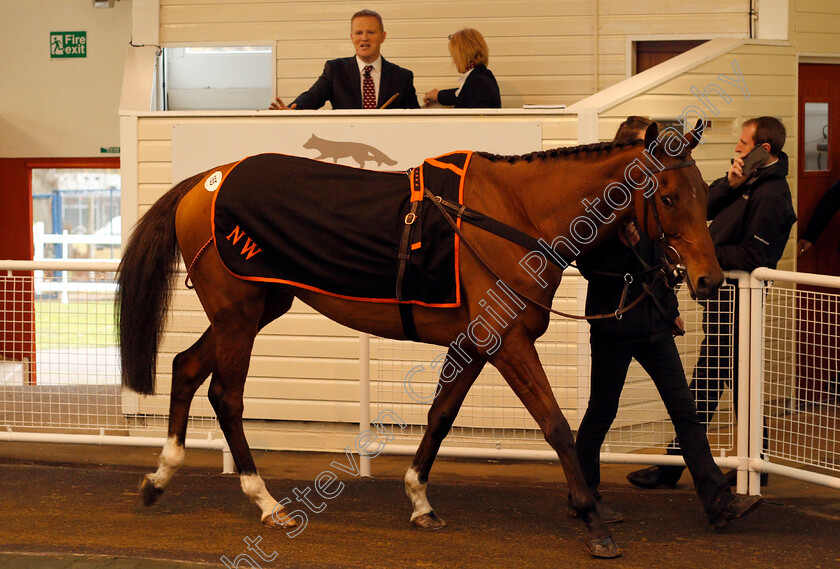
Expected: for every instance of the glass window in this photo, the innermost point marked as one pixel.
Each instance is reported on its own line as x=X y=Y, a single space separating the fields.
x=816 y=137
x=216 y=78
x=76 y=202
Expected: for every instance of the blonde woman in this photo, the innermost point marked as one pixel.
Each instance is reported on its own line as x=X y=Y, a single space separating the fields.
x=478 y=87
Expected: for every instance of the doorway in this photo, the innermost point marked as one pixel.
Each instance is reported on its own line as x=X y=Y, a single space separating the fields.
x=33 y=303
x=818 y=167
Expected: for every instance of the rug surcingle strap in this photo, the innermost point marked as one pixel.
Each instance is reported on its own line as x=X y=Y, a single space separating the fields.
x=404 y=253
x=405 y=249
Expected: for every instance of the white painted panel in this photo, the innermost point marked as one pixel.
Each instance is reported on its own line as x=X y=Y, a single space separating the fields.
x=198 y=147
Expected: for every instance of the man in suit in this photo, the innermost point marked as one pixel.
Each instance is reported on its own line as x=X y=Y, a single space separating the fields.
x=366 y=80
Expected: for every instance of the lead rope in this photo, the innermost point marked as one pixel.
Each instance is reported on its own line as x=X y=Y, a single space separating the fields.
x=617 y=314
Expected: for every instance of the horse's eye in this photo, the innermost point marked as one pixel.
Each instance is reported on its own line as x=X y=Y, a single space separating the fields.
x=668 y=201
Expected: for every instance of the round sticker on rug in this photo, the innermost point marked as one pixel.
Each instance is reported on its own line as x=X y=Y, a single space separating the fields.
x=213 y=181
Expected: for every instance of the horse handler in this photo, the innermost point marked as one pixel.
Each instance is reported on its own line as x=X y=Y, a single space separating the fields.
x=646 y=333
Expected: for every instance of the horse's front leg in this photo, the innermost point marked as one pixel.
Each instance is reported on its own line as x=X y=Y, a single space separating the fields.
x=447 y=402
x=518 y=362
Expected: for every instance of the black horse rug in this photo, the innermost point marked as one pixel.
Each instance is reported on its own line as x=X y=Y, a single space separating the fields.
x=338 y=230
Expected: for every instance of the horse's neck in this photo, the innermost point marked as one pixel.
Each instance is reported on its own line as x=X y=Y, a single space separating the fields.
x=562 y=199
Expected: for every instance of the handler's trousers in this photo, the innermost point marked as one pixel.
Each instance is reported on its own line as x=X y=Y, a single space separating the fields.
x=661 y=361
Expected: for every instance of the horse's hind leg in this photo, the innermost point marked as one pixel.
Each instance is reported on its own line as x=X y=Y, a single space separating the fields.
x=235 y=328
x=189 y=370
x=518 y=362
x=442 y=414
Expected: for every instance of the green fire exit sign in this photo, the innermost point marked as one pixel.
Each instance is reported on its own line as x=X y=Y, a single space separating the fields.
x=68 y=44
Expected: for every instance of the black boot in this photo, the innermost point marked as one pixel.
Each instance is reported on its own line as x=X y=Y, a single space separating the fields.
x=656 y=476
x=732 y=507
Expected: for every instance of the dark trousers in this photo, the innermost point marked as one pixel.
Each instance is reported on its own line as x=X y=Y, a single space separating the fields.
x=661 y=361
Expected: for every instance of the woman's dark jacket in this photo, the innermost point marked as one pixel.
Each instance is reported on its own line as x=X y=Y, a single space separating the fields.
x=480 y=91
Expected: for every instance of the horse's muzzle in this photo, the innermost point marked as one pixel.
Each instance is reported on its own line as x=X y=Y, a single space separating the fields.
x=706 y=286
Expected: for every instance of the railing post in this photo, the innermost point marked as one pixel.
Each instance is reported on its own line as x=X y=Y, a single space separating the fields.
x=756 y=379
x=65 y=275
x=228 y=467
x=744 y=363
x=364 y=397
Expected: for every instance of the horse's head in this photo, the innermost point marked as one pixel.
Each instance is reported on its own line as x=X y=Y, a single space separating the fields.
x=673 y=210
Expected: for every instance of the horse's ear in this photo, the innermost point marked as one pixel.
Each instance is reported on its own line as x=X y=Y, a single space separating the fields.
x=696 y=134
x=651 y=134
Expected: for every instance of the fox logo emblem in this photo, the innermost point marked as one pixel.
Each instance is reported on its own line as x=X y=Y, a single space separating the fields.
x=361 y=153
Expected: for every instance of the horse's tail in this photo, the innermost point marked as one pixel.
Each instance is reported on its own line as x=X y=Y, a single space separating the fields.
x=144 y=288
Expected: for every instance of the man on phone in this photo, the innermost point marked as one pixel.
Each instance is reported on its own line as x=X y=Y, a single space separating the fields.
x=752 y=214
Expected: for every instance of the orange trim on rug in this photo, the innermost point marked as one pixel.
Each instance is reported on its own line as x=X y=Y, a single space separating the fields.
x=416 y=189
x=216 y=195
x=445 y=166
x=469 y=155
x=344 y=297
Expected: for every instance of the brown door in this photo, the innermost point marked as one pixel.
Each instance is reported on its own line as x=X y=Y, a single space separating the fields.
x=650 y=53
x=819 y=163
x=818 y=167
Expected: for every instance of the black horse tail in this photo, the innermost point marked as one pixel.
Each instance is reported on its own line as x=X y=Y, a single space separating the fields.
x=144 y=288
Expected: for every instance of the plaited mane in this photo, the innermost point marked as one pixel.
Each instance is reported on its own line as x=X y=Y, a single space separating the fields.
x=558 y=152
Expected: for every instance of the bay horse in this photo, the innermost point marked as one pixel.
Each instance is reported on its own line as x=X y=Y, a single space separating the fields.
x=540 y=194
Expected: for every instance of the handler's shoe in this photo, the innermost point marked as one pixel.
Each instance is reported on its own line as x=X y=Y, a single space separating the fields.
x=655 y=476
x=734 y=506
x=607 y=514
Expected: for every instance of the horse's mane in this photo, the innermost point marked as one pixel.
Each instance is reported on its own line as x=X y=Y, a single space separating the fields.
x=559 y=152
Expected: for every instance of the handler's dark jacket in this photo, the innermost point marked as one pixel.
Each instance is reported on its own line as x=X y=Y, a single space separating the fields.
x=642 y=323
x=751 y=224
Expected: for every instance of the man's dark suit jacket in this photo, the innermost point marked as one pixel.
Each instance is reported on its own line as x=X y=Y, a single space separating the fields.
x=341 y=85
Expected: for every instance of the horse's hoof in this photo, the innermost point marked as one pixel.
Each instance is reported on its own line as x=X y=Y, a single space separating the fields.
x=149 y=493
x=279 y=519
x=429 y=521
x=603 y=547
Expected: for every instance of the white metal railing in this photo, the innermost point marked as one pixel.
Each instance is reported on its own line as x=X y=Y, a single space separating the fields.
x=794 y=401
x=60 y=376
x=59 y=362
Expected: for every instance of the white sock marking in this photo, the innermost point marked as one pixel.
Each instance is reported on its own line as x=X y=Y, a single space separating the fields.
x=416 y=492
x=254 y=487
x=170 y=459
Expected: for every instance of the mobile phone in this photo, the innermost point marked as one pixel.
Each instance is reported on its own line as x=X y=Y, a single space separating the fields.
x=755 y=158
